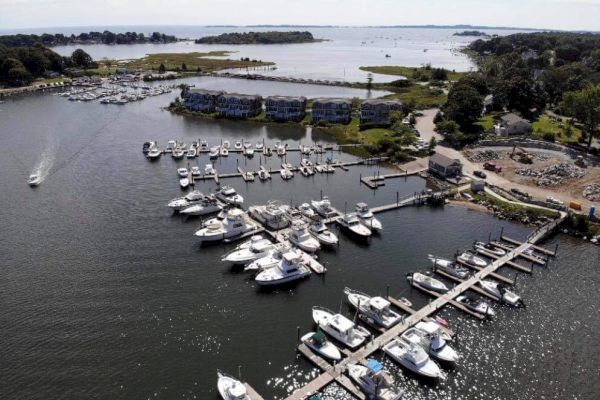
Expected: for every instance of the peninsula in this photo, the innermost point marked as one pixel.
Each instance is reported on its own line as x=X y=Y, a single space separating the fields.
x=106 y=37
x=270 y=37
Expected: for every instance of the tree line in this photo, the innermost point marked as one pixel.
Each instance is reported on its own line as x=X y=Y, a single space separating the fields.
x=106 y=37
x=271 y=37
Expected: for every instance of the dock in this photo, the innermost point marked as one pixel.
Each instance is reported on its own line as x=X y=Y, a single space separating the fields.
x=451 y=301
x=375 y=181
x=511 y=264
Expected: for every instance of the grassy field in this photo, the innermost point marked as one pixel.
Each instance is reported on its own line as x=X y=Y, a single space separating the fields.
x=546 y=126
x=487 y=122
x=420 y=96
x=416 y=73
x=205 y=61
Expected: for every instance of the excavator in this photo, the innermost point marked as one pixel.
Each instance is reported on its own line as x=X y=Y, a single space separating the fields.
x=524 y=156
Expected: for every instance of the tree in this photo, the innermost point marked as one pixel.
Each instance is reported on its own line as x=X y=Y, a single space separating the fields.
x=369 y=81
x=81 y=59
x=464 y=105
x=183 y=67
x=432 y=143
x=161 y=68
x=584 y=105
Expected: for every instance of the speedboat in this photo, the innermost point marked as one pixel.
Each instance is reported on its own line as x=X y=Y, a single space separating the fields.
x=286 y=174
x=468 y=257
x=238 y=145
x=317 y=342
x=374 y=381
x=224 y=152
x=323 y=207
x=249 y=152
x=183 y=172
x=186 y=201
x=490 y=248
x=203 y=145
x=263 y=174
x=230 y=388
x=249 y=251
x=34 y=180
x=207 y=205
x=338 y=327
x=214 y=152
x=427 y=282
x=259 y=146
x=230 y=196
x=281 y=150
x=226 y=144
x=196 y=171
x=209 y=169
x=375 y=308
x=291 y=267
x=273 y=215
x=191 y=153
x=300 y=237
x=177 y=153
x=367 y=218
x=502 y=293
x=478 y=306
x=234 y=224
x=154 y=153
x=184 y=182
x=449 y=267
x=434 y=344
x=320 y=231
x=351 y=223
x=412 y=357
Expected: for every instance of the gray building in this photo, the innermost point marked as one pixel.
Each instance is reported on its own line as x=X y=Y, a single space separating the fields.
x=201 y=100
x=285 y=108
x=512 y=124
x=444 y=166
x=332 y=110
x=234 y=105
x=378 y=110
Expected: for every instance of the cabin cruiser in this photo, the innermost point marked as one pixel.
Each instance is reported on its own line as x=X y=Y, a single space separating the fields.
x=209 y=170
x=271 y=259
x=191 y=153
x=434 y=327
x=185 y=201
x=427 y=282
x=375 y=308
x=203 y=145
x=338 y=327
x=272 y=215
x=434 y=344
x=234 y=224
x=238 y=145
x=323 y=207
x=230 y=196
x=263 y=174
x=259 y=146
x=320 y=231
x=490 y=248
x=249 y=251
x=34 y=180
x=351 y=223
x=468 y=257
x=214 y=152
x=478 y=306
x=291 y=267
x=154 y=153
x=177 y=153
x=300 y=237
x=317 y=342
x=374 y=381
x=208 y=205
x=230 y=388
x=224 y=152
x=500 y=291
x=306 y=210
x=412 y=357
x=366 y=217
x=281 y=150
x=449 y=267
x=286 y=174
x=196 y=171
x=183 y=172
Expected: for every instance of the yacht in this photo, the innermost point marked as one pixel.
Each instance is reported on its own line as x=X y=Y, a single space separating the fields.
x=263 y=174
x=238 y=145
x=351 y=223
x=306 y=210
x=317 y=342
x=300 y=237
x=270 y=260
x=259 y=146
x=500 y=291
x=367 y=218
x=468 y=257
x=230 y=196
x=224 y=152
x=177 y=153
x=208 y=205
x=434 y=344
x=34 y=180
x=249 y=251
x=320 y=231
x=230 y=388
x=196 y=171
x=209 y=170
x=323 y=207
x=234 y=224
x=376 y=309
x=478 y=306
x=338 y=327
x=286 y=174
x=449 y=267
x=427 y=282
x=183 y=172
x=434 y=328
x=412 y=357
x=272 y=215
x=291 y=267
x=490 y=248
x=186 y=201
x=214 y=152
x=374 y=381
x=154 y=153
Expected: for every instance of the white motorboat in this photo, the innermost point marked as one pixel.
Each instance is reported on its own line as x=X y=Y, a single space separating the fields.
x=374 y=381
x=291 y=267
x=183 y=172
x=305 y=171
x=191 y=153
x=209 y=169
x=433 y=328
x=226 y=144
x=367 y=218
x=259 y=146
x=338 y=327
x=34 y=180
x=319 y=168
x=247 y=144
x=351 y=223
x=208 y=205
x=196 y=171
x=248 y=176
x=328 y=169
x=286 y=174
x=230 y=388
x=490 y=248
x=263 y=174
x=270 y=260
x=249 y=152
x=306 y=210
x=214 y=152
x=478 y=306
x=287 y=166
x=249 y=251
x=468 y=257
x=273 y=215
x=281 y=150
x=320 y=231
x=238 y=145
x=377 y=309
x=154 y=153
x=234 y=224
x=305 y=162
x=177 y=153
x=300 y=237
x=184 y=183
x=434 y=344
x=502 y=293
x=317 y=342
x=427 y=282
x=228 y=195
x=449 y=267
x=186 y=201
x=412 y=357
x=323 y=207
x=224 y=152
x=203 y=145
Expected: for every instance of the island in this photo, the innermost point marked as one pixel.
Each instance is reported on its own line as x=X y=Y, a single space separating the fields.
x=269 y=37
x=471 y=33
x=106 y=37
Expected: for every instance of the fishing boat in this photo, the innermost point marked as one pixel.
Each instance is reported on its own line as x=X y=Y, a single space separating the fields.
x=320 y=231
x=183 y=172
x=249 y=251
x=434 y=344
x=230 y=388
x=449 y=267
x=300 y=237
x=234 y=224
x=272 y=215
x=478 y=306
x=34 y=180
x=323 y=207
x=412 y=357
x=228 y=195
x=306 y=210
x=501 y=292
x=377 y=309
x=208 y=205
x=468 y=257
x=374 y=381
x=186 y=201
x=490 y=248
x=366 y=217
x=338 y=327
x=317 y=342
x=351 y=223
x=263 y=174
x=427 y=282
x=291 y=267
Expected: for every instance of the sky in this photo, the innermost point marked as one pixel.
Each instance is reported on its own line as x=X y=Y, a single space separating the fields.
x=546 y=14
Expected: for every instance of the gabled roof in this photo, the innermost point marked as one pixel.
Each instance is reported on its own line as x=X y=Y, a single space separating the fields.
x=443 y=160
x=512 y=118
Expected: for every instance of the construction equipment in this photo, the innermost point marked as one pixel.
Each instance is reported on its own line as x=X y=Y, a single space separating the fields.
x=524 y=156
x=492 y=167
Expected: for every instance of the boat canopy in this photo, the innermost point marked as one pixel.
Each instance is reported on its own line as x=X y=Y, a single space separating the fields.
x=319 y=337
x=374 y=365
x=379 y=303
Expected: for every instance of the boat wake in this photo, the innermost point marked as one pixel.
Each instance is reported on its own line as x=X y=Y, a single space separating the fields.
x=44 y=165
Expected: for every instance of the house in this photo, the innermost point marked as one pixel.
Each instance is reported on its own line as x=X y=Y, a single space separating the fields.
x=512 y=124
x=234 y=105
x=332 y=110
x=377 y=111
x=285 y=108
x=201 y=100
x=444 y=166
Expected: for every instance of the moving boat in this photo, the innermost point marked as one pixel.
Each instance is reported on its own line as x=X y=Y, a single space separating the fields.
x=468 y=257
x=230 y=388
x=490 y=248
x=478 y=306
x=263 y=174
x=375 y=308
x=320 y=231
x=306 y=210
x=300 y=237
x=187 y=200
x=351 y=223
x=449 y=267
x=208 y=205
x=366 y=217
x=317 y=342
x=374 y=381
x=234 y=224
x=286 y=174
x=34 y=180
x=209 y=169
x=501 y=292
x=290 y=268
x=323 y=207
x=273 y=215
x=249 y=251
x=412 y=357
x=427 y=282
x=183 y=172
x=434 y=344
x=230 y=196
x=338 y=327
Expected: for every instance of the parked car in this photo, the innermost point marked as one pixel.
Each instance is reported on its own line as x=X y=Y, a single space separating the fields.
x=492 y=167
x=480 y=174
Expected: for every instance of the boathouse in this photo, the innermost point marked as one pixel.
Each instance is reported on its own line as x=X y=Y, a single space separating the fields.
x=445 y=167
x=234 y=105
x=285 y=108
x=201 y=100
x=332 y=110
x=377 y=111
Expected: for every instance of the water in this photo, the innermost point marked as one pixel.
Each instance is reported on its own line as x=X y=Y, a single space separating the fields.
x=106 y=294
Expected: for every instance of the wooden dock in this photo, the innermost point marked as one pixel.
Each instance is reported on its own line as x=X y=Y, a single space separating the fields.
x=253 y=394
x=375 y=181
x=451 y=301
x=494 y=275
x=511 y=264
x=533 y=246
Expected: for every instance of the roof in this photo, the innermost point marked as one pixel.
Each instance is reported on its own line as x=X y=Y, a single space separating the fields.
x=319 y=337
x=242 y=96
x=341 y=323
x=382 y=101
x=443 y=160
x=379 y=303
x=512 y=118
x=326 y=100
x=374 y=365
x=287 y=98
x=206 y=91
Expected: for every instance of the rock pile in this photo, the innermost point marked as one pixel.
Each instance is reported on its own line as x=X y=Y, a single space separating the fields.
x=553 y=175
x=592 y=192
x=484 y=155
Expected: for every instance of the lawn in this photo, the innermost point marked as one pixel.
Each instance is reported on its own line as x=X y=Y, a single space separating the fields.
x=545 y=126
x=409 y=72
x=419 y=96
x=486 y=122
